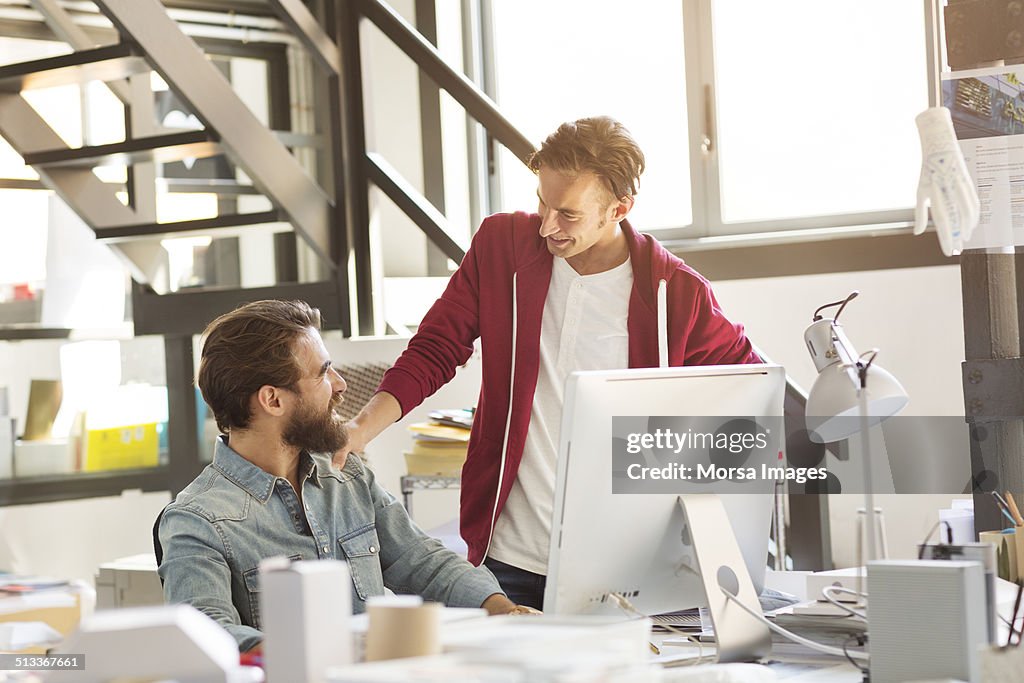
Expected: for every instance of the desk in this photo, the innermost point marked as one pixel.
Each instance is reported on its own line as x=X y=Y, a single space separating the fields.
x=536 y=649
x=60 y=608
x=794 y=668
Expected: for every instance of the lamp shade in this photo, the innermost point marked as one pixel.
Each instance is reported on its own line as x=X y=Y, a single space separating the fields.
x=832 y=404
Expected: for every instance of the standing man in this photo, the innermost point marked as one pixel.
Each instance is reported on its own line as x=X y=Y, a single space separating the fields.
x=571 y=287
x=272 y=490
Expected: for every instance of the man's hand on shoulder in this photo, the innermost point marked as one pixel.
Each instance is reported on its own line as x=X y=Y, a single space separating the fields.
x=356 y=445
x=380 y=412
x=498 y=604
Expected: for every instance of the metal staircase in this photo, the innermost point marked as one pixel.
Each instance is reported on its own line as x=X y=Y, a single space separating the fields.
x=333 y=220
x=154 y=41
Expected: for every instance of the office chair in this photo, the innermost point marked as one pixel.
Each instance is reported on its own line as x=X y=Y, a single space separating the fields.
x=158 y=549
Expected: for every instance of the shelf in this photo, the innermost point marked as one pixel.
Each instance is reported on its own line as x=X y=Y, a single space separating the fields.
x=19 y=332
x=77 y=485
x=34 y=331
x=419 y=482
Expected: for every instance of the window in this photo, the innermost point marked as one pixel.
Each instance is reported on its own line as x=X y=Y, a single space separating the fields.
x=560 y=61
x=808 y=106
x=816 y=104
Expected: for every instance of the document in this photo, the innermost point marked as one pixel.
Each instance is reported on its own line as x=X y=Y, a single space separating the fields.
x=987 y=107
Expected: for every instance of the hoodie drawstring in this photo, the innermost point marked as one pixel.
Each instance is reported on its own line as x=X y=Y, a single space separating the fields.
x=663 y=323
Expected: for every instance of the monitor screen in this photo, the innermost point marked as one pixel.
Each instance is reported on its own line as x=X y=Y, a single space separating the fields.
x=636 y=543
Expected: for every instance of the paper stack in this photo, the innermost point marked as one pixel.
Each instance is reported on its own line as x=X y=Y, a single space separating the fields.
x=439 y=446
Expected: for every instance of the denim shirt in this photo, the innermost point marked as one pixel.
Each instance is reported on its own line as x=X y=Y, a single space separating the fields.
x=235 y=514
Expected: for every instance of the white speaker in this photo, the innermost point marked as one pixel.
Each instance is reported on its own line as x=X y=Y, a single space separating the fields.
x=926 y=619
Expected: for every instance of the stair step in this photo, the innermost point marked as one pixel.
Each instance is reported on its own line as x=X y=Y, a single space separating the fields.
x=218 y=186
x=162 y=149
x=203 y=226
x=110 y=63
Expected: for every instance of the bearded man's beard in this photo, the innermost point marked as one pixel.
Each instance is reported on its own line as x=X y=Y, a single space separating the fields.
x=316 y=431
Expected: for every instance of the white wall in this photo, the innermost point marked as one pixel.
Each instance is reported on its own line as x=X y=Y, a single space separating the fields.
x=71 y=539
x=914 y=316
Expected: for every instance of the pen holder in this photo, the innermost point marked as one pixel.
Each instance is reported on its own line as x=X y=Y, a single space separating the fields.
x=1007 y=551
x=1001 y=665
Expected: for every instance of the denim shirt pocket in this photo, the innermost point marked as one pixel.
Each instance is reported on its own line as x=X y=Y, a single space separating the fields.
x=362 y=550
x=252 y=587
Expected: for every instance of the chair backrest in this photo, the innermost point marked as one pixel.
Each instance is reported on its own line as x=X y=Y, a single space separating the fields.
x=158 y=549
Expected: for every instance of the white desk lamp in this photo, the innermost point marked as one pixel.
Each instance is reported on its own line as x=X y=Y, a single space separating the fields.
x=848 y=386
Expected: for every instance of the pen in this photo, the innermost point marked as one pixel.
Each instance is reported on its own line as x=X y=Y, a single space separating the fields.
x=1014 y=510
x=1001 y=504
x=1002 y=501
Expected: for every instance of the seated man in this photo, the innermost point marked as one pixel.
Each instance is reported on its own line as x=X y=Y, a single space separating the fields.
x=271 y=489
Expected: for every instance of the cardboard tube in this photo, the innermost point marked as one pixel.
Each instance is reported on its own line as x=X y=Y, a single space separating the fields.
x=402 y=626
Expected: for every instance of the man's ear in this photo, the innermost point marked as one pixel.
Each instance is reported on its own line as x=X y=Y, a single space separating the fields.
x=270 y=400
x=621 y=207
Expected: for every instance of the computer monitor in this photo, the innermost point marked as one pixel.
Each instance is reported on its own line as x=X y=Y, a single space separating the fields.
x=634 y=544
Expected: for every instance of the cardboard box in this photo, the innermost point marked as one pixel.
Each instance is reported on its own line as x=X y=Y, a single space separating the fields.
x=122 y=448
x=39 y=458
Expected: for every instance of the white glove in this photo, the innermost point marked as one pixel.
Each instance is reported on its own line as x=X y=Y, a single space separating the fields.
x=945 y=183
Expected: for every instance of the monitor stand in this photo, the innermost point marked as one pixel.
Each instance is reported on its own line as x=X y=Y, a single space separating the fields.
x=719 y=563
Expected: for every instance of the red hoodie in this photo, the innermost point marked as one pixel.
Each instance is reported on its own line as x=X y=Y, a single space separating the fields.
x=508 y=253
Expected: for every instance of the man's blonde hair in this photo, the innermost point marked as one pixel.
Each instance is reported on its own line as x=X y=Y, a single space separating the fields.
x=599 y=145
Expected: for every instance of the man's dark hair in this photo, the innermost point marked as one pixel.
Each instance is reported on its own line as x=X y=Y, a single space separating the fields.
x=599 y=145
x=250 y=347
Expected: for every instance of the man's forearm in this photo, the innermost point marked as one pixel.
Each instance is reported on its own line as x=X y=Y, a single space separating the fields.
x=382 y=411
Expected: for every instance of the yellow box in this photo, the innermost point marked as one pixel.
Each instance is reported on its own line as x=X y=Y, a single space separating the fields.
x=122 y=447
x=446 y=465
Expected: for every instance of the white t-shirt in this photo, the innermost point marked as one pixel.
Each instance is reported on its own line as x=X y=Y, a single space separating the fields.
x=583 y=328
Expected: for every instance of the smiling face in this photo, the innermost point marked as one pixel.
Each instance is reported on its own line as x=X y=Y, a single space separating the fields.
x=580 y=219
x=314 y=424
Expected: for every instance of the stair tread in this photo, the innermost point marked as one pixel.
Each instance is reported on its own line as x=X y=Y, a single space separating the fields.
x=158 y=148
x=108 y=63
x=136 y=231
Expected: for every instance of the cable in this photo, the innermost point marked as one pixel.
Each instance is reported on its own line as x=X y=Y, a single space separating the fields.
x=827 y=591
x=949 y=537
x=626 y=606
x=851 y=660
x=835 y=651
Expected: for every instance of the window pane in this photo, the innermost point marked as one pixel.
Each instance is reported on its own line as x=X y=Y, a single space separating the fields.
x=816 y=104
x=560 y=61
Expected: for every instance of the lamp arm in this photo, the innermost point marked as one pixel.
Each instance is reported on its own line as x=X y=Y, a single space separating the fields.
x=847 y=354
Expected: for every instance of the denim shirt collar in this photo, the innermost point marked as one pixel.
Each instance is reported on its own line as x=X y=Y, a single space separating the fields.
x=253 y=479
